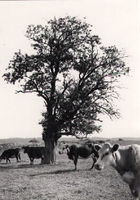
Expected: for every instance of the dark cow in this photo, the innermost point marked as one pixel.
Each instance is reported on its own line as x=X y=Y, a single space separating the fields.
x=84 y=151
x=34 y=153
x=11 y=153
x=126 y=161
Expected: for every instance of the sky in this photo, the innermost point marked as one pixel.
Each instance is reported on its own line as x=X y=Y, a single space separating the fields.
x=116 y=22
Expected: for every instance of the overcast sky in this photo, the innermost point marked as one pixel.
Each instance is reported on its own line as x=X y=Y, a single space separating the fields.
x=117 y=22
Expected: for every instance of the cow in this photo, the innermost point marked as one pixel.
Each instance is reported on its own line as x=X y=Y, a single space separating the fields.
x=34 y=153
x=11 y=153
x=125 y=160
x=84 y=151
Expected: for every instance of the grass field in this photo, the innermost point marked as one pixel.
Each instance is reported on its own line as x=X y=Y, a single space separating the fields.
x=22 y=181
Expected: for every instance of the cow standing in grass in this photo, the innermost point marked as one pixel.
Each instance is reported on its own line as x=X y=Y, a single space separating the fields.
x=11 y=153
x=34 y=153
x=84 y=151
x=126 y=160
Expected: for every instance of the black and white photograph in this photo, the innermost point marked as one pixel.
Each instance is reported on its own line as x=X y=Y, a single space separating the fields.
x=70 y=100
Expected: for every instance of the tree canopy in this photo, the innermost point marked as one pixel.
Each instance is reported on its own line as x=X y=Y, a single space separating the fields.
x=73 y=72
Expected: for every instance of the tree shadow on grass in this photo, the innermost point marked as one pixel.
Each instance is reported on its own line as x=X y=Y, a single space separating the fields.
x=54 y=172
x=18 y=166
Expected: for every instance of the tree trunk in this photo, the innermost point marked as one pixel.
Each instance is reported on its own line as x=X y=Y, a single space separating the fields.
x=49 y=152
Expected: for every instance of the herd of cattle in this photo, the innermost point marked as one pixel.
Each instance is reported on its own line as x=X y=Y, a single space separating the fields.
x=124 y=159
x=73 y=152
x=32 y=152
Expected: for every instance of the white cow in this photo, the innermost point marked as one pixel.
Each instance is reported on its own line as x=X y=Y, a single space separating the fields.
x=126 y=160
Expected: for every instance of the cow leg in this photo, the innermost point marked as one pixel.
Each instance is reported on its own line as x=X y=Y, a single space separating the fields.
x=75 y=159
x=94 y=161
x=42 y=160
x=8 y=160
x=17 y=158
x=31 y=161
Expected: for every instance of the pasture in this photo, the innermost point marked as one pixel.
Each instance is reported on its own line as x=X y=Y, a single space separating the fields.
x=22 y=181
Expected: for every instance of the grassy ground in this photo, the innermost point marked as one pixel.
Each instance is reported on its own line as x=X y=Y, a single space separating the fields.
x=21 y=181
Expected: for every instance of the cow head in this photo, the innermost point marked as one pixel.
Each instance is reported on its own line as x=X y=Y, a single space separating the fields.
x=63 y=149
x=69 y=153
x=106 y=155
